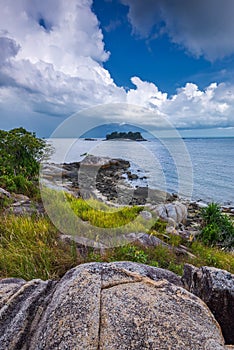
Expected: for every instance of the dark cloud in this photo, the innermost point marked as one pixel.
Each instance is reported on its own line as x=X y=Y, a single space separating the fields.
x=8 y=48
x=203 y=28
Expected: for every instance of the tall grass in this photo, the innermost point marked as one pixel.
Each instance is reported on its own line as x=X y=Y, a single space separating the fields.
x=29 y=248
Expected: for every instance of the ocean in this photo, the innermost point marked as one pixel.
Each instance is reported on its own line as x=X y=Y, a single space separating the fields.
x=195 y=168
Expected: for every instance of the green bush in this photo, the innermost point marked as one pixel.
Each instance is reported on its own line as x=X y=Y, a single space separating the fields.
x=217 y=228
x=20 y=184
x=21 y=152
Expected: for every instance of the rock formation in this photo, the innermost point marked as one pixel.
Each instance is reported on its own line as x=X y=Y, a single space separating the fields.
x=106 y=306
x=173 y=213
x=216 y=288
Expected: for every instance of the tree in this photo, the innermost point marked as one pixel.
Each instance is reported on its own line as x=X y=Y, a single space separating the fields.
x=20 y=155
x=21 y=152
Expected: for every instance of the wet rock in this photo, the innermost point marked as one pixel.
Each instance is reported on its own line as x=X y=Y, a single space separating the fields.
x=132 y=176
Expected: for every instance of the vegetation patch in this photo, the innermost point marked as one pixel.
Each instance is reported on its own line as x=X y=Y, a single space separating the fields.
x=217 y=228
x=29 y=248
x=21 y=151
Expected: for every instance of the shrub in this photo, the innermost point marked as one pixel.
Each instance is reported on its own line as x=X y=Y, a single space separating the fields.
x=217 y=228
x=21 y=151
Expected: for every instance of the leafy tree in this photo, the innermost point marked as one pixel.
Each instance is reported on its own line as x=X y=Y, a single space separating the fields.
x=21 y=152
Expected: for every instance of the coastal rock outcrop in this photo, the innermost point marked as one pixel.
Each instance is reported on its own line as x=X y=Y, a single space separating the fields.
x=173 y=213
x=216 y=288
x=103 y=178
x=106 y=306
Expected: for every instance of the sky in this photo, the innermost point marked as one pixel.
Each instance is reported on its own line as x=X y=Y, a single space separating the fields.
x=174 y=58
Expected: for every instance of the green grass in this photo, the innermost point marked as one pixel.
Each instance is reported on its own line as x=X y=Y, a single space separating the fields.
x=170 y=259
x=30 y=246
x=100 y=215
x=91 y=218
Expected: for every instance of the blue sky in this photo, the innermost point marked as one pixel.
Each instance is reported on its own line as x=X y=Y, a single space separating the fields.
x=174 y=58
x=159 y=60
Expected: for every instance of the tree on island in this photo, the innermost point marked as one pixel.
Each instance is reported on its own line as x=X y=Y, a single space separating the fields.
x=136 y=136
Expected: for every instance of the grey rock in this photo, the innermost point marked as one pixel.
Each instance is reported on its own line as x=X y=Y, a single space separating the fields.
x=8 y=287
x=146 y=215
x=82 y=242
x=216 y=288
x=156 y=197
x=4 y=193
x=173 y=213
x=27 y=208
x=104 y=306
x=154 y=273
x=21 y=305
x=144 y=239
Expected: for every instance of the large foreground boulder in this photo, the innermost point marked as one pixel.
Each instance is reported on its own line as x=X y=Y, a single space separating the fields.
x=216 y=288
x=105 y=306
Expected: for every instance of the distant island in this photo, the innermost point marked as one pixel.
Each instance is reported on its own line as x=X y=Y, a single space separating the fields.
x=135 y=136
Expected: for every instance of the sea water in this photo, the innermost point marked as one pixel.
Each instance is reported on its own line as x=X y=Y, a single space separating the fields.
x=196 y=168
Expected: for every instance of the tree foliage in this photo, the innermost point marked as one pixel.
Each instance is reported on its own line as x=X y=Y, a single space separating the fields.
x=21 y=152
x=125 y=135
x=217 y=228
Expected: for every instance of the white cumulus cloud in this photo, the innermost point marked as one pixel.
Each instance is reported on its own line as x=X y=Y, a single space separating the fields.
x=190 y=107
x=52 y=53
x=51 y=65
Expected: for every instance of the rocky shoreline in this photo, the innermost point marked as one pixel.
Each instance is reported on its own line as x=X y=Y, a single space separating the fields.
x=111 y=181
x=118 y=305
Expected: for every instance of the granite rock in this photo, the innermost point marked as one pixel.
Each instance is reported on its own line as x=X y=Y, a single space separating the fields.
x=120 y=305
x=216 y=288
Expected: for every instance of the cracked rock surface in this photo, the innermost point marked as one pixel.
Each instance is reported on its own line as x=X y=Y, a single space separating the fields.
x=105 y=306
x=216 y=288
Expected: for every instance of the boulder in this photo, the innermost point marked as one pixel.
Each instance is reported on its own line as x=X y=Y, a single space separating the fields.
x=4 y=194
x=216 y=288
x=173 y=213
x=144 y=239
x=104 y=306
x=96 y=161
x=154 y=273
x=20 y=305
x=146 y=215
